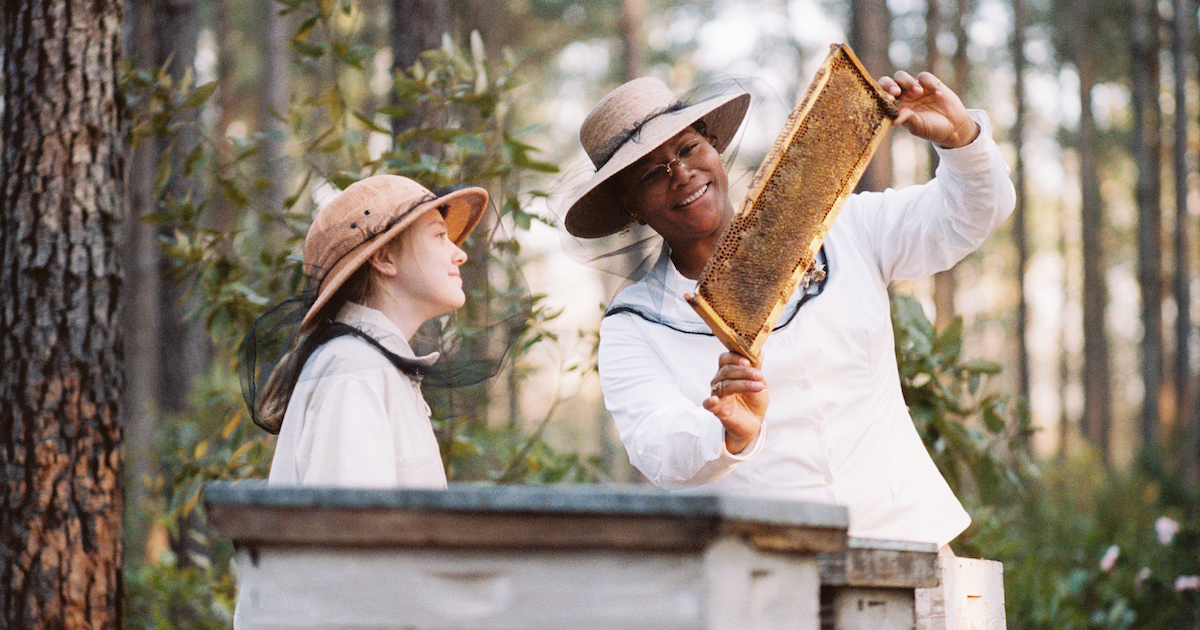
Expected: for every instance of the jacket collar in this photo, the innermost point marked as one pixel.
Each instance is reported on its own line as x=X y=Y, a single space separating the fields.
x=383 y=330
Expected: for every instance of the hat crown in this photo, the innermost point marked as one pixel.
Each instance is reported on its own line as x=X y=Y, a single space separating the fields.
x=362 y=211
x=619 y=113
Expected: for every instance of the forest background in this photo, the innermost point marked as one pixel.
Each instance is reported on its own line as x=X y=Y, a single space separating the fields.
x=1053 y=375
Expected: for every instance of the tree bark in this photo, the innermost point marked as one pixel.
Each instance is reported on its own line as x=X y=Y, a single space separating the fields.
x=1097 y=398
x=945 y=285
x=183 y=347
x=1019 y=231
x=62 y=204
x=1183 y=24
x=163 y=354
x=1147 y=148
x=417 y=26
x=870 y=37
x=141 y=308
x=274 y=108
x=633 y=59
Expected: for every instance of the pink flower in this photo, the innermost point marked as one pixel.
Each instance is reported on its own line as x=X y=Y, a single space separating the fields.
x=1142 y=576
x=1110 y=558
x=1187 y=583
x=1166 y=530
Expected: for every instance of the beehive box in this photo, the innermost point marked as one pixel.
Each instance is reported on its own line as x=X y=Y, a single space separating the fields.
x=794 y=198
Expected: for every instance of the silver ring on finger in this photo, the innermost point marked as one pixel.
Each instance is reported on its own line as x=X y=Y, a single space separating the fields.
x=717 y=387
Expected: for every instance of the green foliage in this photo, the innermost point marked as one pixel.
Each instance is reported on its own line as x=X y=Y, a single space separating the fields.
x=447 y=122
x=166 y=596
x=976 y=440
x=1051 y=526
x=1088 y=548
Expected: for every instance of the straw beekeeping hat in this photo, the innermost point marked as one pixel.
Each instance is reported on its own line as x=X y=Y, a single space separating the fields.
x=626 y=125
x=368 y=215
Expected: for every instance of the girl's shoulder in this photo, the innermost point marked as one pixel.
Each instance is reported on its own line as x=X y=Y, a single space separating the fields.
x=344 y=354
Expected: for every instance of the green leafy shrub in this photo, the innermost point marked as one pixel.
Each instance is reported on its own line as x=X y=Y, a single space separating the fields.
x=1083 y=548
x=455 y=106
x=975 y=436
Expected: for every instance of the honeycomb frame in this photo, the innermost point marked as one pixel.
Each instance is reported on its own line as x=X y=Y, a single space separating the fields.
x=797 y=192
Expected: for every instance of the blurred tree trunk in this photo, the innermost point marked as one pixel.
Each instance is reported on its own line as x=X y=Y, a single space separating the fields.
x=61 y=206
x=1066 y=432
x=276 y=96
x=933 y=59
x=633 y=58
x=870 y=37
x=1147 y=150
x=141 y=308
x=1097 y=397
x=944 y=284
x=1183 y=24
x=1019 y=232
x=417 y=26
x=183 y=349
x=164 y=353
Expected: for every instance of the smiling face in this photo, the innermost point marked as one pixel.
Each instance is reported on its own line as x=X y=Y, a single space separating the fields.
x=420 y=271
x=429 y=265
x=680 y=189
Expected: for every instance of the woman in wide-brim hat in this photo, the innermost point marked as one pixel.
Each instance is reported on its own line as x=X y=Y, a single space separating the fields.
x=383 y=257
x=834 y=427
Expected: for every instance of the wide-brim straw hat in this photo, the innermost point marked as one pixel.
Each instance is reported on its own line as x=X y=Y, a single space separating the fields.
x=625 y=126
x=367 y=215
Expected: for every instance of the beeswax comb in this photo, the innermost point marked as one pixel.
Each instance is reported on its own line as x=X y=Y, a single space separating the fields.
x=795 y=195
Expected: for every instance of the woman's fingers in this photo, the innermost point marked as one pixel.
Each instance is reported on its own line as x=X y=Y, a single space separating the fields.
x=736 y=375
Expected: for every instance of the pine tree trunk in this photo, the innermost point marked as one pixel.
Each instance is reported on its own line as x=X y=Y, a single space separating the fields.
x=1097 y=397
x=1147 y=149
x=870 y=37
x=417 y=26
x=184 y=350
x=276 y=94
x=162 y=353
x=633 y=59
x=1183 y=26
x=1019 y=231
x=141 y=312
x=62 y=205
x=945 y=285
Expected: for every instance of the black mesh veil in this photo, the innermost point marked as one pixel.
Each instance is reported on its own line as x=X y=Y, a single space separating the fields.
x=472 y=343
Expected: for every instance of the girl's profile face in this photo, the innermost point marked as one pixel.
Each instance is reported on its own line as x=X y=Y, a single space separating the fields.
x=429 y=264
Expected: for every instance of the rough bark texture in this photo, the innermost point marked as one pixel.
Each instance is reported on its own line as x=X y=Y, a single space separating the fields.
x=60 y=457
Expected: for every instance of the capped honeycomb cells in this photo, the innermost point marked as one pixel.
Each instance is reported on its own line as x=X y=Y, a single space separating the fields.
x=813 y=167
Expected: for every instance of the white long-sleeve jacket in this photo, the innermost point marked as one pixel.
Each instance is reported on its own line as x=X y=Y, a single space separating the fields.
x=837 y=429
x=354 y=419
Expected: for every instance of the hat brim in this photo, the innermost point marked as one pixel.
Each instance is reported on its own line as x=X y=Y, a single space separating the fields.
x=593 y=211
x=463 y=210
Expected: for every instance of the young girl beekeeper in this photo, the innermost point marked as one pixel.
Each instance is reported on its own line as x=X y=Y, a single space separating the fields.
x=382 y=258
